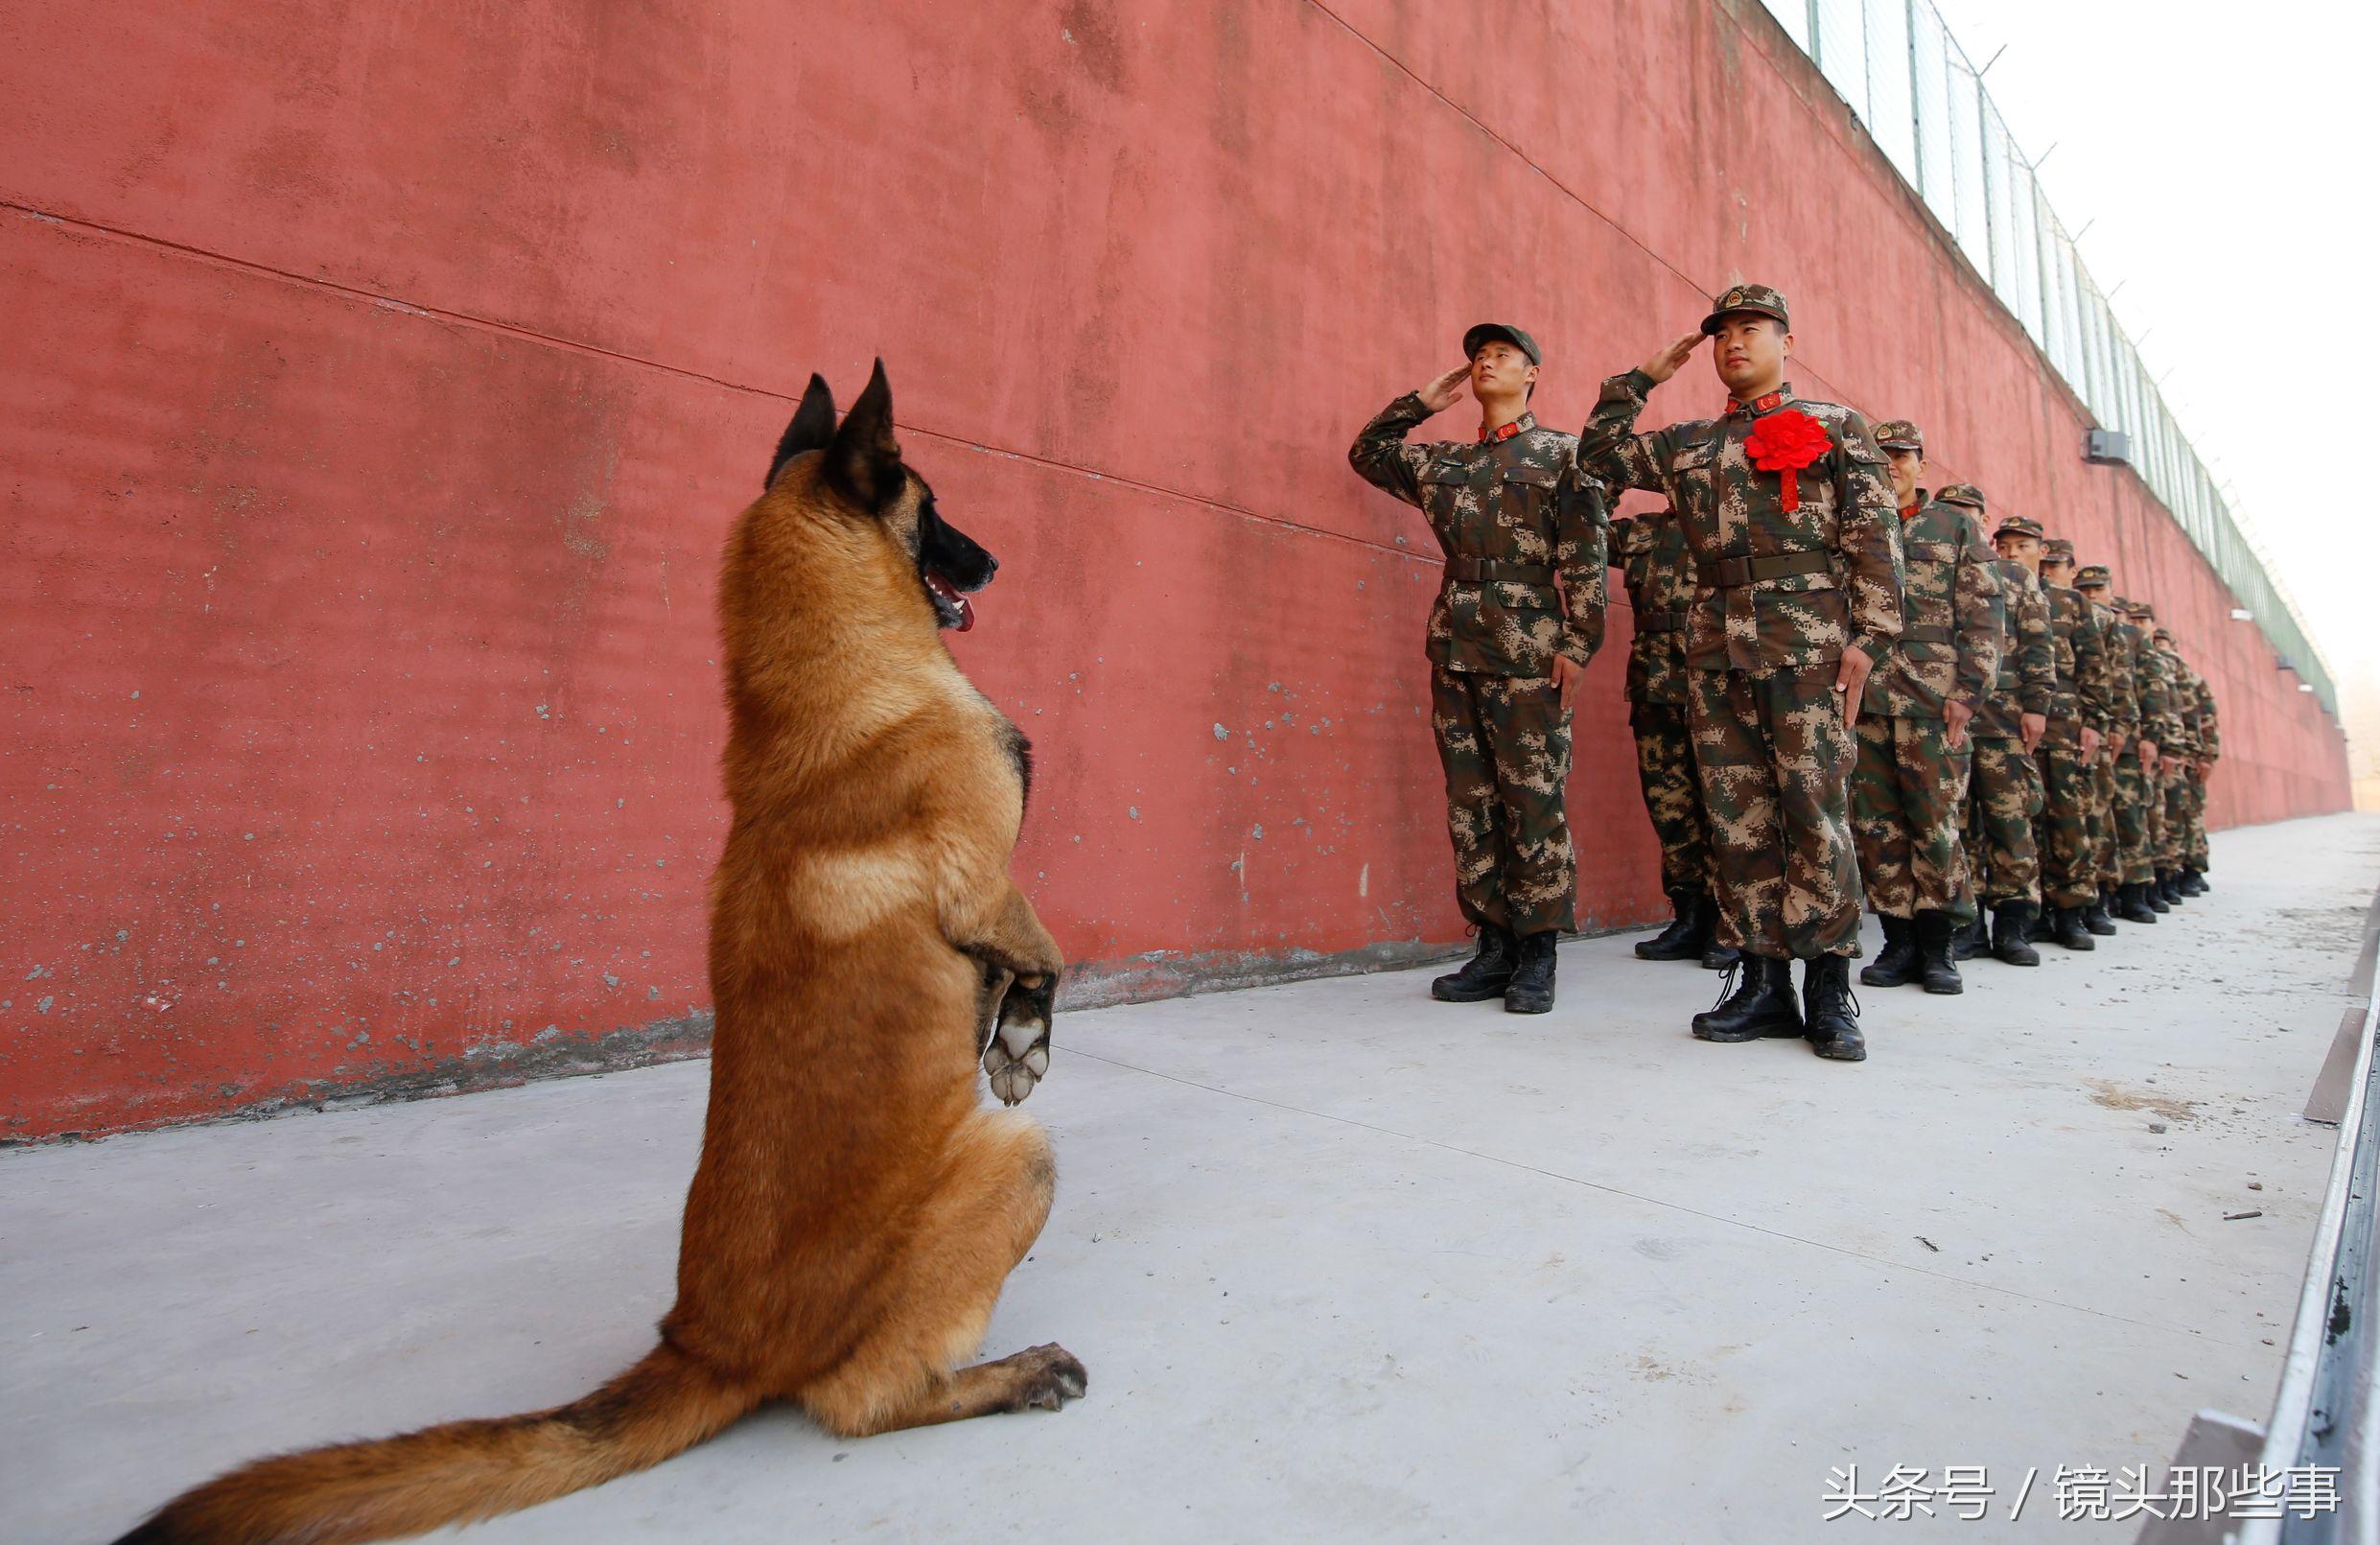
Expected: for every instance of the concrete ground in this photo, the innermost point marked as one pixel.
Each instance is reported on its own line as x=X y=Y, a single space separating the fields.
x=1344 y=1263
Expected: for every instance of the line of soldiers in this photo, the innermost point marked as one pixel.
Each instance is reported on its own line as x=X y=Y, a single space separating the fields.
x=1840 y=691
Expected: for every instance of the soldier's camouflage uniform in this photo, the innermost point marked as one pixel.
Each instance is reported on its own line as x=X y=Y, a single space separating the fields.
x=2159 y=723
x=1510 y=513
x=2004 y=785
x=1779 y=596
x=2134 y=857
x=1649 y=550
x=2079 y=701
x=1908 y=791
x=2121 y=642
x=2195 y=854
x=2174 y=781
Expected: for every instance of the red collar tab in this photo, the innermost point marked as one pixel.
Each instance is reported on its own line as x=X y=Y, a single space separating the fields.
x=1767 y=404
x=1527 y=421
x=1909 y=511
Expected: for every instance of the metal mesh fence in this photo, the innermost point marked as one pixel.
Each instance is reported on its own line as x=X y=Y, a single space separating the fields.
x=1914 y=89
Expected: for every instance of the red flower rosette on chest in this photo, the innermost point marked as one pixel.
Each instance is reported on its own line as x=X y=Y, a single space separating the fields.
x=1784 y=443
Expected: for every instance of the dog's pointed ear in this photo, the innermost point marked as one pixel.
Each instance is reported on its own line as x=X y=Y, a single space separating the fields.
x=811 y=428
x=864 y=461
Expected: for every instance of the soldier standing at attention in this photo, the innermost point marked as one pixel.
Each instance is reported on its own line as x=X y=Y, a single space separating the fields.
x=2194 y=856
x=1908 y=791
x=2078 y=720
x=2182 y=752
x=2164 y=730
x=1791 y=523
x=2111 y=822
x=2095 y=682
x=2004 y=785
x=1507 y=649
x=1649 y=550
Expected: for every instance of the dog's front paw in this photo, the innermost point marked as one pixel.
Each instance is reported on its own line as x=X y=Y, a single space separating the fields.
x=1017 y=1053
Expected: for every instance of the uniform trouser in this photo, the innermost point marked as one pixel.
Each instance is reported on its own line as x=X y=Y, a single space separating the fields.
x=2105 y=868
x=2194 y=847
x=2131 y=821
x=2004 y=794
x=2153 y=806
x=1664 y=769
x=2173 y=780
x=2062 y=830
x=1774 y=758
x=1908 y=793
x=1505 y=743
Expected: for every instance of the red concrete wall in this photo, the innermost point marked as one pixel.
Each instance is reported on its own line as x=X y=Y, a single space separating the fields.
x=384 y=379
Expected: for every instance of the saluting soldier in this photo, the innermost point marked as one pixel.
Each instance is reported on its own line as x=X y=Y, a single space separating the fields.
x=2078 y=721
x=1908 y=791
x=1649 y=552
x=2004 y=783
x=2161 y=727
x=1789 y=520
x=1508 y=649
x=2115 y=828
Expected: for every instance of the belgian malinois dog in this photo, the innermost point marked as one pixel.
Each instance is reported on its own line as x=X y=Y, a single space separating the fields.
x=857 y=1206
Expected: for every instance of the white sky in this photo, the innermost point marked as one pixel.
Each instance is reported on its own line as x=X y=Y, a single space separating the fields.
x=2223 y=155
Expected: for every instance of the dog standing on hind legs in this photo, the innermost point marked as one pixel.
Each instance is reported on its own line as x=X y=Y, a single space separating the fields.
x=856 y=1207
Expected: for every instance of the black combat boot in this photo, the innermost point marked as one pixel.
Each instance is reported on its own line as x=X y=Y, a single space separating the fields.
x=2097 y=918
x=2011 y=923
x=2204 y=883
x=2133 y=906
x=1687 y=935
x=1973 y=939
x=1716 y=956
x=1896 y=964
x=1830 y=1014
x=2169 y=887
x=2065 y=928
x=2153 y=892
x=2191 y=882
x=1487 y=972
x=1762 y=1004
x=1532 y=988
x=1934 y=966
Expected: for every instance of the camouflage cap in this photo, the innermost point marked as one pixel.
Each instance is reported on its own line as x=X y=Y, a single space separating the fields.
x=2092 y=576
x=1963 y=493
x=2159 y=632
x=2139 y=609
x=2018 y=526
x=1485 y=332
x=1752 y=297
x=1900 y=435
x=2058 y=550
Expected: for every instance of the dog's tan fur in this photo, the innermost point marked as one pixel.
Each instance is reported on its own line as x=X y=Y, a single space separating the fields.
x=856 y=1207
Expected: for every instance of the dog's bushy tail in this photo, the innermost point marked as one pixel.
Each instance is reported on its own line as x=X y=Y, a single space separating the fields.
x=458 y=1472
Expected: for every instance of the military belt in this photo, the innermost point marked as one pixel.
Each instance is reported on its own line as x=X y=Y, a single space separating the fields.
x=1728 y=572
x=1661 y=621
x=1472 y=570
x=1926 y=635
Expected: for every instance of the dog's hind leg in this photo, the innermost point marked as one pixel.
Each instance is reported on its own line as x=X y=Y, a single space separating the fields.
x=935 y=1299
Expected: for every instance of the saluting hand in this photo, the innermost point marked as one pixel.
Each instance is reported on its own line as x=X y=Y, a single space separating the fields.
x=1446 y=391
x=1665 y=365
